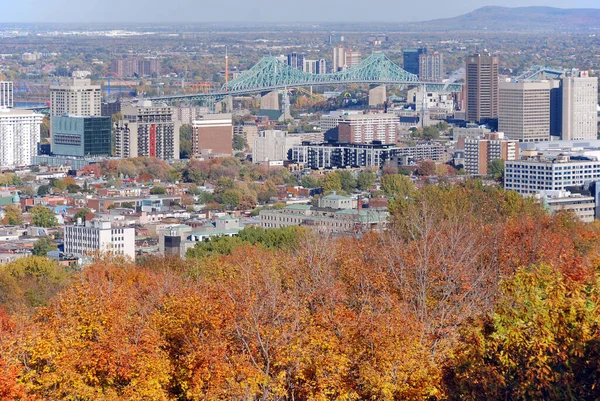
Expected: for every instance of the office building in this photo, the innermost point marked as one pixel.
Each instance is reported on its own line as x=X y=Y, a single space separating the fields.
x=295 y=60
x=366 y=128
x=213 y=134
x=81 y=136
x=6 y=94
x=273 y=145
x=76 y=97
x=431 y=67
x=549 y=174
x=411 y=59
x=149 y=131
x=98 y=238
x=108 y=109
x=482 y=87
x=479 y=153
x=19 y=137
x=524 y=110
x=580 y=106
x=339 y=59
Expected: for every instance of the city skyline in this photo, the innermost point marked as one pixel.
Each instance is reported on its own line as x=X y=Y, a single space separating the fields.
x=152 y=11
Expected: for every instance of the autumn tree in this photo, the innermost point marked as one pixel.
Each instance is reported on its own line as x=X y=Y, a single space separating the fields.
x=12 y=216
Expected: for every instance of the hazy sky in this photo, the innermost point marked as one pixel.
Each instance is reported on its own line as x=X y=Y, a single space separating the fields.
x=250 y=10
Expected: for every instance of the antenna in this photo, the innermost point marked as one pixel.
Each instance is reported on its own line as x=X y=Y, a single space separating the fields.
x=226 y=70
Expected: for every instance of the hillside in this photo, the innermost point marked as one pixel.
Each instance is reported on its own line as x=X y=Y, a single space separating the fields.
x=518 y=19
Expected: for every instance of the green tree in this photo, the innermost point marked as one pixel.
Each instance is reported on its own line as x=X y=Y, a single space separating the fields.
x=41 y=216
x=185 y=141
x=231 y=198
x=158 y=190
x=397 y=185
x=43 y=190
x=310 y=181
x=81 y=213
x=431 y=132
x=239 y=142
x=347 y=180
x=496 y=169
x=127 y=205
x=13 y=216
x=42 y=246
x=365 y=180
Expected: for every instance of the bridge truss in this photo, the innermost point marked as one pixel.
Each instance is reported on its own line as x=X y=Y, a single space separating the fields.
x=270 y=73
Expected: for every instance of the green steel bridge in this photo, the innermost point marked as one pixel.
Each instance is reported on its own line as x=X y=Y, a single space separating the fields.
x=270 y=74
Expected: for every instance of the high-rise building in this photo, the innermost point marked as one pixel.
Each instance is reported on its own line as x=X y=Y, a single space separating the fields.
x=580 y=106
x=353 y=58
x=295 y=60
x=76 y=97
x=431 y=67
x=366 y=128
x=213 y=133
x=81 y=136
x=524 y=110
x=107 y=109
x=321 y=67
x=273 y=145
x=411 y=59
x=339 y=58
x=19 y=137
x=133 y=66
x=98 y=238
x=147 y=130
x=309 y=66
x=482 y=87
x=6 y=94
x=480 y=152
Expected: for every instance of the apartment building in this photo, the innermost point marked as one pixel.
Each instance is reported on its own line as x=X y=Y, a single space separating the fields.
x=95 y=238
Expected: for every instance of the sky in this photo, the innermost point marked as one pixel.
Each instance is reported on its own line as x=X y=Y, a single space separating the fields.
x=170 y=11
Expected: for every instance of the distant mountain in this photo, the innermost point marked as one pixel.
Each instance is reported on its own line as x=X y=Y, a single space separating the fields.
x=519 y=19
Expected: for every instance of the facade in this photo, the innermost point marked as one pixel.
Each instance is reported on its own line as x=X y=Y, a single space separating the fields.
x=6 y=94
x=431 y=67
x=134 y=66
x=326 y=218
x=524 y=110
x=335 y=155
x=482 y=87
x=213 y=133
x=76 y=97
x=339 y=59
x=321 y=67
x=81 y=136
x=273 y=145
x=583 y=207
x=580 y=106
x=99 y=237
x=479 y=153
x=149 y=131
x=19 y=137
x=309 y=66
x=353 y=58
x=248 y=131
x=107 y=109
x=366 y=128
x=295 y=60
x=411 y=59
x=549 y=174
